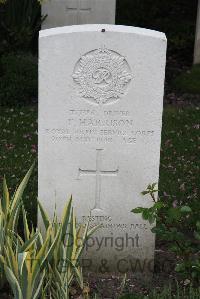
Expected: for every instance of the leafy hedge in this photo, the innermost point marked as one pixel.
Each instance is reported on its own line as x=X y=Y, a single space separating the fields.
x=18 y=79
x=20 y=24
x=21 y=21
x=177 y=18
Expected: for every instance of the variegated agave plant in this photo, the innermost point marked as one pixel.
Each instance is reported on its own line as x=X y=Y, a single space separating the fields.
x=64 y=268
x=45 y=268
x=9 y=214
x=25 y=263
x=40 y=265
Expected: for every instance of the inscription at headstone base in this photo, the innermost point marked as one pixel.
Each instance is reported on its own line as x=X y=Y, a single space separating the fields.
x=100 y=119
x=75 y=12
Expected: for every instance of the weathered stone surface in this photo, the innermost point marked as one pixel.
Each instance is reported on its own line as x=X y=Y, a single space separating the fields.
x=75 y=12
x=100 y=118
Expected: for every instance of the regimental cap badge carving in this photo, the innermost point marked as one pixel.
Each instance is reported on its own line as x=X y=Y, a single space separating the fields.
x=102 y=75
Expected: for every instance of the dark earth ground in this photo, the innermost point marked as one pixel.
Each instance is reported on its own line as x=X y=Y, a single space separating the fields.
x=110 y=286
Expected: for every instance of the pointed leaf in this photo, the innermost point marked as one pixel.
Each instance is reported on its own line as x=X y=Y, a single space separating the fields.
x=13 y=283
x=44 y=215
x=19 y=192
x=6 y=198
x=66 y=218
x=25 y=222
x=21 y=260
x=26 y=246
x=39 y=287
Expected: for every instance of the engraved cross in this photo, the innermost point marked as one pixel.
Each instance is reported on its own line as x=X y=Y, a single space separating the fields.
x=78 y=7
x=98 y=173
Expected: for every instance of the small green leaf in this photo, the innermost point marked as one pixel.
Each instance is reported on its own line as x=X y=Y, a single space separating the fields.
x=186 y=209
x=137 y=210
x=158 y=205
x=146 y=214
x=197 y=235
x=151 y=219
x=198 y=225
x=145 y=192
x=180 y=268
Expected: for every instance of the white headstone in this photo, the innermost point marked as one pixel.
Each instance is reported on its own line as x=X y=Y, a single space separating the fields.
x=75 y=12
x=197 y=37
x=100 y=118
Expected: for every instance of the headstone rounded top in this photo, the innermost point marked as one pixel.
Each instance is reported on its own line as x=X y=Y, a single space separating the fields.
x=102 y=28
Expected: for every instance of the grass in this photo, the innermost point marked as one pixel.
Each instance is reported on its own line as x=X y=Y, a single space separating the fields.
x=180 y=159
x=189 y=82
x=168 y=293
x=179 y=167
x=18 y=150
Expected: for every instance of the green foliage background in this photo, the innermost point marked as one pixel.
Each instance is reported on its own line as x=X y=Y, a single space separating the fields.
x=21 y=21
x=19 y=79
x=177 y=18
